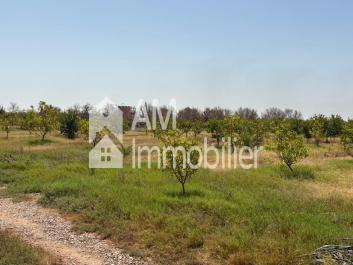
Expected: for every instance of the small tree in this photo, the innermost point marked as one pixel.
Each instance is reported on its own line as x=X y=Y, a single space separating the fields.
x=196 y=128
x=182 y=167
x=289 y=147
x=318 y=128
x=29 y=120
x=347 y=137
x=70 y=124
x=9 y=119
x=215 y=127
x=5 y=124
x=47 y=119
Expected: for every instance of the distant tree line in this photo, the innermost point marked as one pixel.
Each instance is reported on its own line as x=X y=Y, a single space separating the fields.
x=245 y=124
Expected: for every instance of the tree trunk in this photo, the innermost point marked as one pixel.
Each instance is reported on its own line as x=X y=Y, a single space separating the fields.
x=183 y=185
x=7 y=134
x=290 y=167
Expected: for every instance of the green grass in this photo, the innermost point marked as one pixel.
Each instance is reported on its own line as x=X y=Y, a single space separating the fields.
x=263 y=216
x=257 y=216
x=15 y=252
x=39 y=141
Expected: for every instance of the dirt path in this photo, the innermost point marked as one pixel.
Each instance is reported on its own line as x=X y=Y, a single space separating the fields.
x=46 y=229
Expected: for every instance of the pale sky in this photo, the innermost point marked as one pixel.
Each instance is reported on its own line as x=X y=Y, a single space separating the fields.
x=258 y=54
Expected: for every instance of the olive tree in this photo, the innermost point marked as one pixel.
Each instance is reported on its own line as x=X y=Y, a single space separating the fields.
x=289 y=147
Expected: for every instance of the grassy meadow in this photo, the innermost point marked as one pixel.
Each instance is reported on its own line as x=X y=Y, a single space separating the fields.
x=238 y=217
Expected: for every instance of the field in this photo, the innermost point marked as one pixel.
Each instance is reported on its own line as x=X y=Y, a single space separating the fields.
x=259 y=216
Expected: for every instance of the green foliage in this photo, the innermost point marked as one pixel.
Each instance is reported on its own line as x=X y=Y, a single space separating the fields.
x=298 y=172
x=334 y=126
x=318 y=130
x=84 y=128
x=197 y=127
x=8 y=120
x=5 y=124
x=232 y=126
x=47 y=119
x=250 y=133
x=223 y=213
x=29 y=121
x=347 y=137
x=69 y=124
x=289 y=147
x=185 y=126
x=215 y=127
x=182 y=165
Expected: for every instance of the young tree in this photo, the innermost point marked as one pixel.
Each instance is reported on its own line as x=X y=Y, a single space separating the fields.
x=215 y=127
x=47 y=119
x=347 y=137
x=181 y=166
x=29 y=120
x=70 y=124
x=289 y=147
x=5 y=124
x=9 y=118
x=318 y=128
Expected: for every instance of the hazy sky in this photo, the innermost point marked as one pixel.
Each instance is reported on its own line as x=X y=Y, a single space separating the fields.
x=296 y=54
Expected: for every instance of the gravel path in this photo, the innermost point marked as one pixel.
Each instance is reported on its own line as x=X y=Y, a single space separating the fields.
x=46 y=229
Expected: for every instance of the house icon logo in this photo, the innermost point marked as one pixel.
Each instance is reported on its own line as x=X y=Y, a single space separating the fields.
x=105 y=155
x=106 y=117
